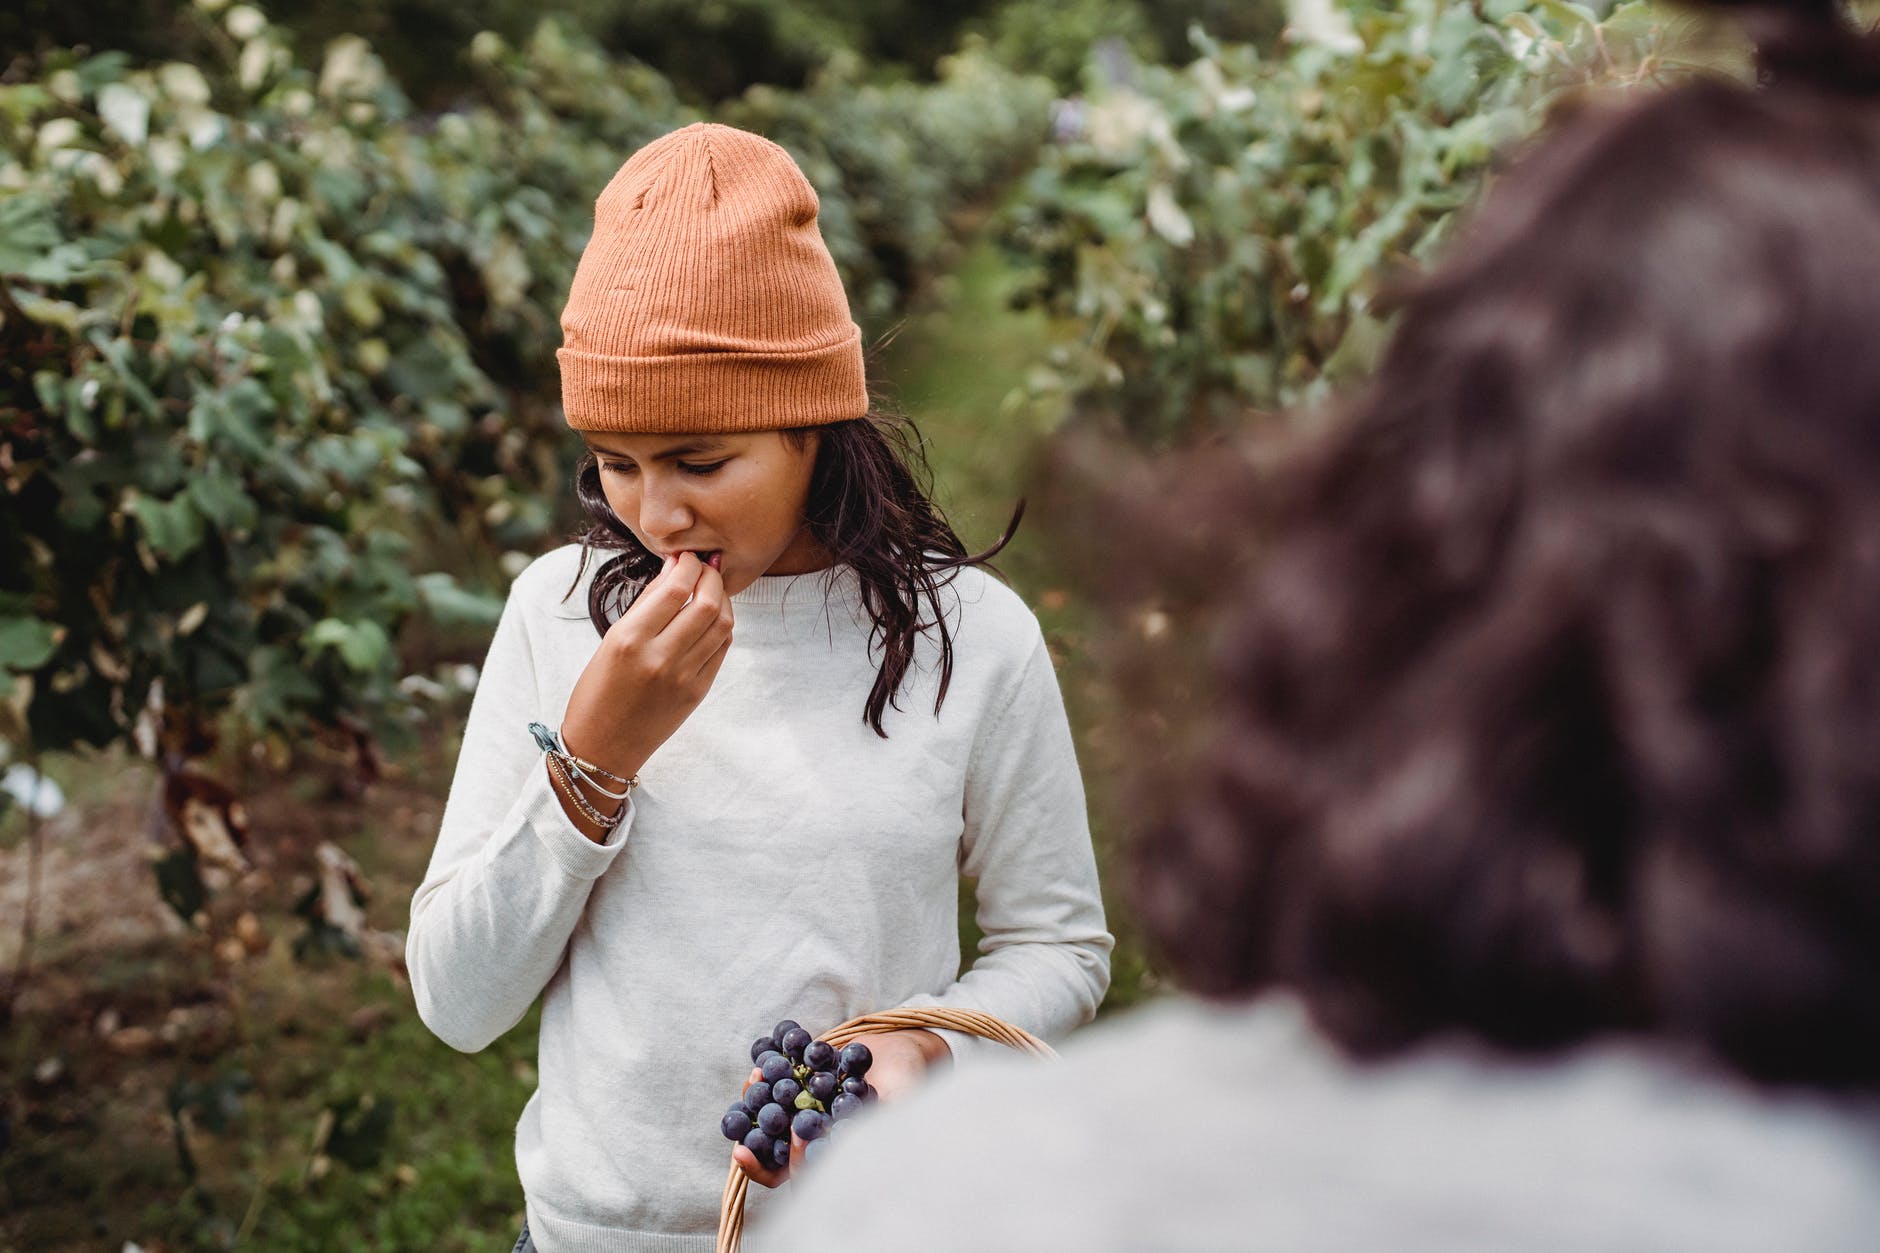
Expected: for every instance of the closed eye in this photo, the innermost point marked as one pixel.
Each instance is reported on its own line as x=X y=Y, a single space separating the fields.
x=618 y=467
x=693 y=467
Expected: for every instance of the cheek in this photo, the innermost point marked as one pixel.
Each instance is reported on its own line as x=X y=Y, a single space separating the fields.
x=622 y=500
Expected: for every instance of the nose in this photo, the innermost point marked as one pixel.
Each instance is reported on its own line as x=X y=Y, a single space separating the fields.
x=665 y=513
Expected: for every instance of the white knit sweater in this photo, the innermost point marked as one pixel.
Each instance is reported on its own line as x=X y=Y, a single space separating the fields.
x=780 y=860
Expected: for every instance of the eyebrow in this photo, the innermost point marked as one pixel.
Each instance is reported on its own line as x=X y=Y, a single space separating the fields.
x=666 y=454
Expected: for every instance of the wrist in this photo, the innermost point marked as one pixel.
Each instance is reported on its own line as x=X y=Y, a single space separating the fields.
x=581 y=807
x=932 y=1047
x=620 y=760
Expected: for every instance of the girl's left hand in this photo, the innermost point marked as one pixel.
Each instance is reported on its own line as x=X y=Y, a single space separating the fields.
x=901 y=1059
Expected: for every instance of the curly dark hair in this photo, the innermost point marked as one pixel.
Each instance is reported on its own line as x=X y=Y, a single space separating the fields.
x=1552 y=706
x=870 y=507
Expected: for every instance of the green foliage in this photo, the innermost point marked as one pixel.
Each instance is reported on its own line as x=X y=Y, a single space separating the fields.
x=894 y=163
x=710 y=51
x=1173 y=22
x=244 y=316
x=269 y=338
x=1222 y=231
x=715 y=50
x=1057 y=38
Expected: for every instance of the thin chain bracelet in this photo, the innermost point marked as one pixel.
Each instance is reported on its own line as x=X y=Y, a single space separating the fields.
x=568 y=789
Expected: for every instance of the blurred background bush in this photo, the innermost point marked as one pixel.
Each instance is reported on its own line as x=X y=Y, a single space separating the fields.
x=279 y=288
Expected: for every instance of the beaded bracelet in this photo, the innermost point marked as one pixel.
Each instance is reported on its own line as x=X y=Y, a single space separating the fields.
x=580 y=802
x=566 y=768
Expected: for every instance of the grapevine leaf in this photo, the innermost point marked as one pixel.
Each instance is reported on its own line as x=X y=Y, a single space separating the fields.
x=218 y=494
x=452 y=604
x=361 y=645
x=26 y=643
x=27 y=232
x=174 y=528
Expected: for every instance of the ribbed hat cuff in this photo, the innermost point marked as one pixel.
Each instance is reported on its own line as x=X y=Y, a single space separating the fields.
x=714 y=391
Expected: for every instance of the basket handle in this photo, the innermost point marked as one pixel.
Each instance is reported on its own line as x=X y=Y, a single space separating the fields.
x=970 y=1021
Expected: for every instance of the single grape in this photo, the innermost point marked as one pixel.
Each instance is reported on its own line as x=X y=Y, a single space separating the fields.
x=869 y=1094
x=845 y=1104
x=782 y=1029
x=854 y=1087
x=774 y=1067
x=780 y=1153
x=815 y=1149
x=794 y=1042
x=810 y=1124
x=761 y=1047
x=756 y=1097
x=759 y=1145
x=822 y=1085
x=819 y=1055
x=774 y=1120
x=784 y=1091
x=856 y=1059
x=736 y=1124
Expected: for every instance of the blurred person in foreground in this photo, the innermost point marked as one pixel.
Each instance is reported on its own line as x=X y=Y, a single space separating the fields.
x=1532 y=867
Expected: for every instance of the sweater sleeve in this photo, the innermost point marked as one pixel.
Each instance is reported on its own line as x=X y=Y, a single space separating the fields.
x=1044 y=961
x=511 y=874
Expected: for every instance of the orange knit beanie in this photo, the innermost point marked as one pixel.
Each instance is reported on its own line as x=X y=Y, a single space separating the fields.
x=706 y=299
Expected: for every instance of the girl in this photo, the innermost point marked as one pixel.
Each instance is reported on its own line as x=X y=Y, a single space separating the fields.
x=777 y=724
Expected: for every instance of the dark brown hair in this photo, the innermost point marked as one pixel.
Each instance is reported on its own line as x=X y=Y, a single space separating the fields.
x=1552 y=707
x=870 y=507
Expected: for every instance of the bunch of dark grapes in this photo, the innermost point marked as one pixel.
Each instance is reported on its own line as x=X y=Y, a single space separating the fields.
x=806 y=1086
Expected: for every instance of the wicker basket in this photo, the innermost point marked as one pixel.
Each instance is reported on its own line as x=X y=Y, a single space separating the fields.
x=972 y=1022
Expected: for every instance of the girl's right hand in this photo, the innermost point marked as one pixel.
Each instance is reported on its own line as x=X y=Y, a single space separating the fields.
x=652 y=669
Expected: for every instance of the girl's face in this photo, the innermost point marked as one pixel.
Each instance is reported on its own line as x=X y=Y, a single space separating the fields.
x=739 y=496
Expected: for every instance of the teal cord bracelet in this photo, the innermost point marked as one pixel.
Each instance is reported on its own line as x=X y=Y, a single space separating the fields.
x=569 y=768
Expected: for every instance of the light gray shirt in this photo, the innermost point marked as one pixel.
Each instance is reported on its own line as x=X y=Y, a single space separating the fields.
x=1186 y=1128
x=780 y=859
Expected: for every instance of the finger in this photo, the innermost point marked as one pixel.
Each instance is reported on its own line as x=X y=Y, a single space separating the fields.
x=664 y=596
x=708 y=669
x=747 y=1162
x=705 y=646
x=708 y=605
x=695 y=633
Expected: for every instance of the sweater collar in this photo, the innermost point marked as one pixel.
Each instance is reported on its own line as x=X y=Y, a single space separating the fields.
x=836 y=584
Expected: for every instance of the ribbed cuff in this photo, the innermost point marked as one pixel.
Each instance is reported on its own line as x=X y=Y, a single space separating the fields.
x=714 y=391
x=581 y=857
